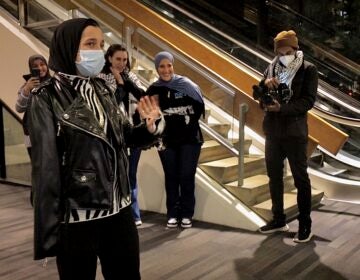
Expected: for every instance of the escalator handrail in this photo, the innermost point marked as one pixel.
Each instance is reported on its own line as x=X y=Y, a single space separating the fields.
x=231 y=39
x=344 y=158
x=338 y=58
x=10 y=111
x=336 y=118
x=339 y=101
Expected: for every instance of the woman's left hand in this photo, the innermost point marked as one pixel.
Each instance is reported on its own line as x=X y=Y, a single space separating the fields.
x=149 y=110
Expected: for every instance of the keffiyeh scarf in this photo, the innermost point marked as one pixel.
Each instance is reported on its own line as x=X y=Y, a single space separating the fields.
x=285 y=74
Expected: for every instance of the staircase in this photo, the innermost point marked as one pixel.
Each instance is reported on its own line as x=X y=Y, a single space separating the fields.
x=222 y=166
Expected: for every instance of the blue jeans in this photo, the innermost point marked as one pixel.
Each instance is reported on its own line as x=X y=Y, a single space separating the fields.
x=179 y=166
x=133 y=165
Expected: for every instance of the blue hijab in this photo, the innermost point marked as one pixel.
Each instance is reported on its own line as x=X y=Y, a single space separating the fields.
x=183 y=85
x=177 y=82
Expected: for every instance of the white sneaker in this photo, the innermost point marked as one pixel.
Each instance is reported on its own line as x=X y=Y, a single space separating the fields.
x=172 y=223
x=186 y=223
x=138 y=223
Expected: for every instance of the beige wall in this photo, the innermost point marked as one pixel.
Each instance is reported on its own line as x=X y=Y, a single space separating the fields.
x=15 y=48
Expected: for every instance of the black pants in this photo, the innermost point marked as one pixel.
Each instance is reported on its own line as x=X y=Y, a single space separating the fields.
x=294 y=149
x=179 y=166
x=114 y=240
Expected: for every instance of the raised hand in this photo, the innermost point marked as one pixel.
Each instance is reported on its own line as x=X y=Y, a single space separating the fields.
x=149 y=110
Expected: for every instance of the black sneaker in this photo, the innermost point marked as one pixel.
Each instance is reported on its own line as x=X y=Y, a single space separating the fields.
x=304 y=235
x=274 y=226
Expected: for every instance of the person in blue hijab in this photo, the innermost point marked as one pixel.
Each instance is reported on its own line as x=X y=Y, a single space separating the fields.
x=182 y=105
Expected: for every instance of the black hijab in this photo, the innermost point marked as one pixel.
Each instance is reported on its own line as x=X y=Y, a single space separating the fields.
x=65 y=44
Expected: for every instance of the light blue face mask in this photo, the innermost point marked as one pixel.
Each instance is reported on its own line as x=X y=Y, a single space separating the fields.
x=91 y=62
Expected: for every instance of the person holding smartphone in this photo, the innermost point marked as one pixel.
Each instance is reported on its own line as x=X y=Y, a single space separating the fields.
x=39 y=72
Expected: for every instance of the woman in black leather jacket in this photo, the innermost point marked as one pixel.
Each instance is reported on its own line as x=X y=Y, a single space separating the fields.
x=79 y=136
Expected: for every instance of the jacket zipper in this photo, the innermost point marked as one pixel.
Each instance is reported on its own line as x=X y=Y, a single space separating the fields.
x=93 y=134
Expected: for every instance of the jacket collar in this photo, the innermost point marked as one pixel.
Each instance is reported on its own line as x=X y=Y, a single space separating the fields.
x=77 y=113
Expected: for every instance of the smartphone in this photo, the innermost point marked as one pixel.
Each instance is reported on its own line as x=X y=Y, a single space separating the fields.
x=35 y=72
x=27 y=77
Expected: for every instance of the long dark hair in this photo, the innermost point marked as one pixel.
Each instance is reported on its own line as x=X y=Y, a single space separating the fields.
x=110 y=52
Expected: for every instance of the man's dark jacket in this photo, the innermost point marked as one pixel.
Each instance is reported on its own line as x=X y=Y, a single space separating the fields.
x=291 y=121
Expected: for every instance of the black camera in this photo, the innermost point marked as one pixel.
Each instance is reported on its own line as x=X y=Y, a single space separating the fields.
x=267 y=96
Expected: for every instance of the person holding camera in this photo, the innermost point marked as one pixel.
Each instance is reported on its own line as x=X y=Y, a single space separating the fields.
x=39 y=73
x=292 y=83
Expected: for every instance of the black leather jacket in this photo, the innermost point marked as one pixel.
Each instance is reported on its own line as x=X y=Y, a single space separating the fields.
x=75 y=164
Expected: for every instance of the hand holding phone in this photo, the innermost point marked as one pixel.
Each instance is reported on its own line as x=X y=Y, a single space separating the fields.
x=32 y=81
x=35 y=73
x=27 y=77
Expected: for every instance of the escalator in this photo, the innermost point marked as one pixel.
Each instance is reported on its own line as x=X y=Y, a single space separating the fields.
x=202 y=19
x=254 y=23
x=333 y=105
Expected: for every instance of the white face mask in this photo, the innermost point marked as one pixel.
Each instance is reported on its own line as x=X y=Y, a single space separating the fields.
x=287 y=59
x=91 y=62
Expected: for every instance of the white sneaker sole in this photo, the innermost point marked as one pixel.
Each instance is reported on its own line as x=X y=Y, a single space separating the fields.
x=282 y=229
x=296 y=239
x=186 y=225
x=171 y=225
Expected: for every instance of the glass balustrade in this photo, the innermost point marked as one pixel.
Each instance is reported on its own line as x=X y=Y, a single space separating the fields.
x=16 y=159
